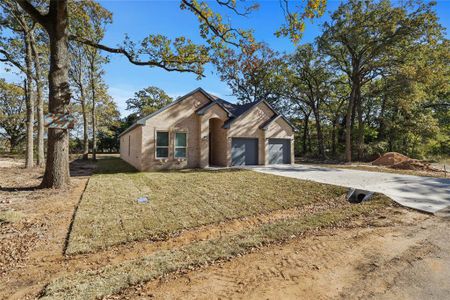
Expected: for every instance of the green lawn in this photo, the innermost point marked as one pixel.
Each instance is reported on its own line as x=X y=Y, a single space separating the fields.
x=109 y=214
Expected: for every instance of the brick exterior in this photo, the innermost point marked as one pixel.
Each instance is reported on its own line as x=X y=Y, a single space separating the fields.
x=182 y=117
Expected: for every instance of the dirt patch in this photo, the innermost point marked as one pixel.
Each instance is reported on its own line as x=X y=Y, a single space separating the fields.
x=389 y=159
x=113 y=278
x=33 y=230
x=11 y=163
x=415 y=165
x=399 y=161
x=354 y=263
x=404 y=253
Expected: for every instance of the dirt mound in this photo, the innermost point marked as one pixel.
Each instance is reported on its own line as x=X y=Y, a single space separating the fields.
x=414 y=164
x=390 y=159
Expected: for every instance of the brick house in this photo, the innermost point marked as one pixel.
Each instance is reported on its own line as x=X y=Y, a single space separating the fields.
x=200 y=130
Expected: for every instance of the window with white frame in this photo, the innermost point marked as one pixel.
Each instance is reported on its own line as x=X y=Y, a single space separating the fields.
x=180 y=145
x=162 y=144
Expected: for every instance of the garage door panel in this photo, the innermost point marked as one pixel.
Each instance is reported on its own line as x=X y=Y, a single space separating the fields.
x=244 y=151
x=239 y=154
x=279 y=151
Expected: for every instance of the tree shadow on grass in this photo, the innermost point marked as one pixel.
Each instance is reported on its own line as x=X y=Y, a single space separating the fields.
x=20 y=189
x=81 y=168
x=77 y=167
x=115 y=165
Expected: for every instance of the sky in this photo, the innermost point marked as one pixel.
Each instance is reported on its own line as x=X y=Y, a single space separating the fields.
x=139 y=18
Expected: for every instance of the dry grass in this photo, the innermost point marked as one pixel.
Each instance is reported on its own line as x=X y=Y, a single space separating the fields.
x=112 y=279
x=109 y=213
x=10 y=216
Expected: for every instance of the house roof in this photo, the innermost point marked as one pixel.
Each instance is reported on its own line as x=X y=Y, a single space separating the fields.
x=142 y=121
x=234 y=111
x=266 y=124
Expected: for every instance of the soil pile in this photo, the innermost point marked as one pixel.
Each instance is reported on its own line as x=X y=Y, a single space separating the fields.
x=399 y=161
x=415 y=165
x=390 y=159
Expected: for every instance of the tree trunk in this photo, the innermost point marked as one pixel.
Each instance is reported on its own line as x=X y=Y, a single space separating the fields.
x=13 y=142
x=333 y=137
x=309 y=142
x=29 y=158
x=359 y=110
x=57 y=168
x=85 y=124
x=305 y=134
x=382 y=125
x=320 y=143
x=348 y=124
x=40 y=104
x=94 y=127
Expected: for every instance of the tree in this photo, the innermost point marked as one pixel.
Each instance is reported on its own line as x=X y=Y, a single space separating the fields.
x=39 y=81
x=334 y=110
x=147 y=101
x=29 y=55
x=309 y=81
x=55 y=24
x=252 y=73
x=78 y=77
x=12 y=113
x=88 y=20
x=108 y=120
x=413 y=97
x=95 y=73
x=361 y=40
x=17 y=50
x=180 y=55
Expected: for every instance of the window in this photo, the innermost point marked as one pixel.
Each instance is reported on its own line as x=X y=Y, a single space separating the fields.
x=180 y=144
x=162 y=144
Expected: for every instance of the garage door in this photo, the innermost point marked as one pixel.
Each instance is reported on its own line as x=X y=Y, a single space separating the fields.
x=279 y=151
x=244 y=151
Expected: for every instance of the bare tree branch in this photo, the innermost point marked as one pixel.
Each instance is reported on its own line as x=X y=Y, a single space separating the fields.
x=161 y=64
x=33 y=12
x=8 y=59
x=434 y=105
x=221 y=35
x=229 y=4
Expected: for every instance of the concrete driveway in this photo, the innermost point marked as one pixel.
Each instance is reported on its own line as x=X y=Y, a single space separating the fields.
x=423 y=193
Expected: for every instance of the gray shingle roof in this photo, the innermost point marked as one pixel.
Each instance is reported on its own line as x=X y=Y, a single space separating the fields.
x=233 y=110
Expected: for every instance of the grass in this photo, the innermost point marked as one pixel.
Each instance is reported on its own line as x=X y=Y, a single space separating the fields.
x=112 y=279
x=10 y=216
x=109 y=213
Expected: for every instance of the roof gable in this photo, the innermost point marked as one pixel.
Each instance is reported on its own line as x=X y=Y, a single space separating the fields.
x=202 y=110
x=142 y=121
x=234 y=111
x=247 y=108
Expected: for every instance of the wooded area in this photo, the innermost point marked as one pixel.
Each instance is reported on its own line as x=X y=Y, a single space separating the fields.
x=376 y=79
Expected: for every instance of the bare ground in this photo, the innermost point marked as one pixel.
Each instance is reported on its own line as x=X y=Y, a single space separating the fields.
x=407 y=260
x=398 y=254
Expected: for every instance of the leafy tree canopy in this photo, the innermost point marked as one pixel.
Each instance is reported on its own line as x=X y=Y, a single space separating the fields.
x=147 y=101
x=12 y=113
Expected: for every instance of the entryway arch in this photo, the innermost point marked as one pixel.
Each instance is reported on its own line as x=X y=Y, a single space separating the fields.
x=217 y=152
